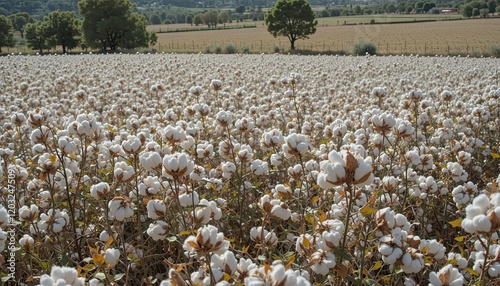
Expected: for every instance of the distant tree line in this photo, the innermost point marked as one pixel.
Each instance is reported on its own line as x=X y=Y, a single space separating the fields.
x=468 y=8
x=105 y=25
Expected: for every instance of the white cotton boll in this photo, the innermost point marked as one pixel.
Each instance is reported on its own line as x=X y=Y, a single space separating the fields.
x=494 y=270
x=335 y=157
x=495 y=199
x=473 y=211
x=156 y=209
x=104 y=236
x=158 y=230
x=150 y=160
x=276 y=160
x=112 y=256
x=385 y=249
x=189 y=199
x=481 y=201
x=481 y=223
x=393 y=257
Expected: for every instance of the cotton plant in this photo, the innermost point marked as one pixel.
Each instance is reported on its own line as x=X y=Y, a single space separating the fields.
x=282 y=161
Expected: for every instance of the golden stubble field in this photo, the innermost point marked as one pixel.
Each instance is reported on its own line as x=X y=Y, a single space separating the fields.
x=465 y=37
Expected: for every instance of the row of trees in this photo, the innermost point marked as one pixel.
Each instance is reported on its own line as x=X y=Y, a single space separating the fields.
x=106 y=24
x=407 y=7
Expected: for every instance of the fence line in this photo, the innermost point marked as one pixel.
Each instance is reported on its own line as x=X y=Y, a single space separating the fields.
x=383 y=48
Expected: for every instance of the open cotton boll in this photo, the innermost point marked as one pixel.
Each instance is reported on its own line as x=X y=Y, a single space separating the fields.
x=481 y=223
x=482 y=202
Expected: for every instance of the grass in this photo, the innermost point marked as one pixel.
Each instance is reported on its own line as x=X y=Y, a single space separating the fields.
x=467 y=37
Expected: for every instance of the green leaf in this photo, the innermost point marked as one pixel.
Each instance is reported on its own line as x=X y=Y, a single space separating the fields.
x=118 y=276
x=101 y=276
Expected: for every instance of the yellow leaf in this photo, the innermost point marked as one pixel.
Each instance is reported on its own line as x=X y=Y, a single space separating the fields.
x=227 y=277
x=98 y=259
x=110 y=240
x=267 y=268
x=291 y=259
x=315 y=199
x=53 y=158
x=367 y=210
x=456 y=223
x=425 y=249
x=472 y=271
x=186 y=232
x=306 y=242
x=29 y=279
x=460 y=238
x=377 y=266
x=322 y=217
x=495 y=155
x=245 y=249
x=311 y=219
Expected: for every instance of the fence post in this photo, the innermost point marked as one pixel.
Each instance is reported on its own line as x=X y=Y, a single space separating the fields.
x=425 y=48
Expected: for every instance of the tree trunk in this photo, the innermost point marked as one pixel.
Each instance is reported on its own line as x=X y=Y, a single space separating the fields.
x=292 y=44
x=64 y=49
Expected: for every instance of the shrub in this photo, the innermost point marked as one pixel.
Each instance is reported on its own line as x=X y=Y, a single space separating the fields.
x=207 y=50
x=245 y=50
x=230 y=49
x=218 y=50
x=372 y=21
x=364 y=47
x=495 y=51
x=276 y=49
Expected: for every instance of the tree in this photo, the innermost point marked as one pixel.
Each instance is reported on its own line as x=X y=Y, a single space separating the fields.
x=19 y=21
x=293 y=19
x=155 y=19
x=210 y=18
x=198 y=19
x=240 y=9
x=498 y=9
x=466 y=10
x=112 y=24
x=492 y=4
x=6 y=33
x=63 y=28
x=475 y=12
x=427 y=6
x=189 y=19
x=223 y=18
x=35 y=36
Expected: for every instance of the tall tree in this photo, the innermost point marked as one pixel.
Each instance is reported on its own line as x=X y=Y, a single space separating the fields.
x=112 y=24
x=36 y=36
x=223 y=18
x=62 y=28
x=466 y=10
x=19 y=21
x=492 y=4
x=210 y=18
x=6 y=33
x=293 y=19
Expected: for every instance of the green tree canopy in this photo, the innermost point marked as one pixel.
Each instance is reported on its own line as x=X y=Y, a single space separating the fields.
x=223 y=17
x=210 y=18
x=240 y=9
x=36 y=36
x=466 y=10
x=112 y=24
x=155 y=19
x=293 y=19
x=198 y=19
x=19 y=21
x=492 y=4
x=6 y=33
x=62 y=28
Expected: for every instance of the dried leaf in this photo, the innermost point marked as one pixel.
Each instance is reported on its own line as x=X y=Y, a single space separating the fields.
x=456 y=223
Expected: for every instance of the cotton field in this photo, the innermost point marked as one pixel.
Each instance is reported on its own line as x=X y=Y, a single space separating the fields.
x=249 y=170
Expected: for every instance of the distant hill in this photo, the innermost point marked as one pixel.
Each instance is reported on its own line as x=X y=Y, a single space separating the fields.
x=40 y=8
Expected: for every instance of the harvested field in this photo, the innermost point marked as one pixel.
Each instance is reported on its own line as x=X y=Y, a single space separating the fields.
x=464 y=37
